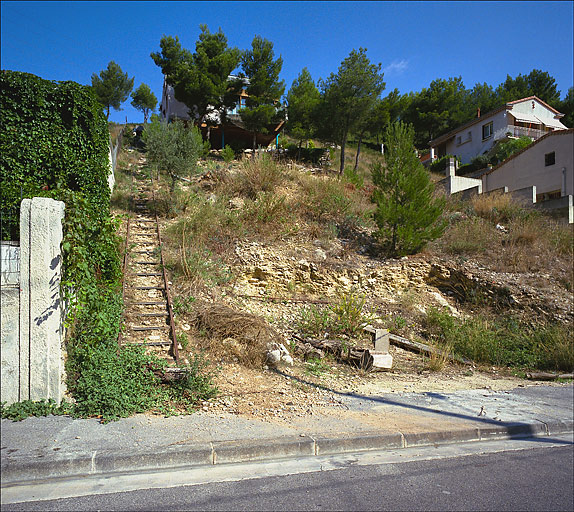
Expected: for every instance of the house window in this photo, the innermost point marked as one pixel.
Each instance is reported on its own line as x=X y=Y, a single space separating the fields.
x=549 y=159
x=242 y=102
x=486 y=130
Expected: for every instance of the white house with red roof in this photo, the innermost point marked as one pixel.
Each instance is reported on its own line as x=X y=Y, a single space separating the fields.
x=529 y=117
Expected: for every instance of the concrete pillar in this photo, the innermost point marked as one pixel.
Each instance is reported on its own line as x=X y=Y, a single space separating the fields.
x=451 y=167
x=41 y=307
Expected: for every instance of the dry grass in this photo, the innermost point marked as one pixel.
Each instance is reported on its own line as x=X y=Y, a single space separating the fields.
x=234 y=335
x=496 y=207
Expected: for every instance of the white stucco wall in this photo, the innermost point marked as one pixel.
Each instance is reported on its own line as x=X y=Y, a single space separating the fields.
x=539 y=110
x=466 y=151
x=529 y=169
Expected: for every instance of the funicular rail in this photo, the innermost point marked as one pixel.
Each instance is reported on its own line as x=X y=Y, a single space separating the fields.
x=148 y=308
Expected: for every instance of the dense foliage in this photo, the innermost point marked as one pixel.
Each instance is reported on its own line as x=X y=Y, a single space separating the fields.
x=112 y=86
x=54 y=138
x=263 y=87
x=200 y=79
x=144 y=100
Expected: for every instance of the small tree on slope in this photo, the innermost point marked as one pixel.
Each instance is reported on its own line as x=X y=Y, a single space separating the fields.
x=144 y=100
x=407 y=215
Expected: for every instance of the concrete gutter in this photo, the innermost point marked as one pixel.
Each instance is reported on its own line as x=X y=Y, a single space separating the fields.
x=21 y=469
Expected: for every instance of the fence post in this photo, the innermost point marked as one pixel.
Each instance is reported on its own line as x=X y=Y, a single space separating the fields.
x=41 y=306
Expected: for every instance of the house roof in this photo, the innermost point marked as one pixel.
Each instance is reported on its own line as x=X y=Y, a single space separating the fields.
x=549 y=134
x=472 y=122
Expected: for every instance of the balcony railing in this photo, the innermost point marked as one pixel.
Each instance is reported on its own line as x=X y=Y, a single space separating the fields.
x=522 y=131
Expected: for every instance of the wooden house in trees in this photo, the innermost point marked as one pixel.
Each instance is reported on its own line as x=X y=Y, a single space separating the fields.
x=221 y=130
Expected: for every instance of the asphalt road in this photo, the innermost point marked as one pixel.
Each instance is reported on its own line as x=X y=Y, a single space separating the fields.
x=527 y=476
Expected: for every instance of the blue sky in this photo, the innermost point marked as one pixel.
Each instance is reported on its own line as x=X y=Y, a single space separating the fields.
x=415 y=42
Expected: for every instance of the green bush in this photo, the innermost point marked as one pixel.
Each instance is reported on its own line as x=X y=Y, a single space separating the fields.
x=173 y=148
x=227 y=154
x=439 y=165
x=506 y=149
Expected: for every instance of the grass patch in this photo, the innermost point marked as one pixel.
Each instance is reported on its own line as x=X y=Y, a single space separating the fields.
x=504 y=341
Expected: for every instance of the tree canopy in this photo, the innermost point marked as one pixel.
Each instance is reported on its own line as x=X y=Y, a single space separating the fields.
x=201 y=79
x=348 y=97
x=263 y=87
x=112 y=87
x=302 y=100
x=144 y=100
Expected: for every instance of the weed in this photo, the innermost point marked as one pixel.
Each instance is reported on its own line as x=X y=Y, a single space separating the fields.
x=314 y=321
x=316 y=367
x=343 y=317
x=503 y=341
x=21 y=410
x=182 y=305
x=438 y=358
x=183 y=340
x=228 y=154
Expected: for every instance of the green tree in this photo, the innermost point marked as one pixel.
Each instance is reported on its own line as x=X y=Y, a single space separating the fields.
x=112 y=87
x=483 y=97
x=567 y=108
x=200 y=80
x=537 y=83
x=372 y=125
x=144 y=100
x=437 y=109
x=302 y=100
x=348 y=98
x=407 y=214
x=263 y=87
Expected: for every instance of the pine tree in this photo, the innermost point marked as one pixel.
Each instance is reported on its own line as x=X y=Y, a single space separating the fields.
x=144 y=100
x=407 y=214
x=112 y=86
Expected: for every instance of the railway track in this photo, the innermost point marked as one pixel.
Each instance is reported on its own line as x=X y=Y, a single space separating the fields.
x=148 y=310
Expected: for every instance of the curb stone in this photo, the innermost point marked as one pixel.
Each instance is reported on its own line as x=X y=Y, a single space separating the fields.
x=16 y=470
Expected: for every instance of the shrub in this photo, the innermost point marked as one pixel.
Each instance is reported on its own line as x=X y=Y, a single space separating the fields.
x=506 y=149
x=227 y=154
x=345 y=316
x=439 y=165
x=173 y=148
x=257 y=175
